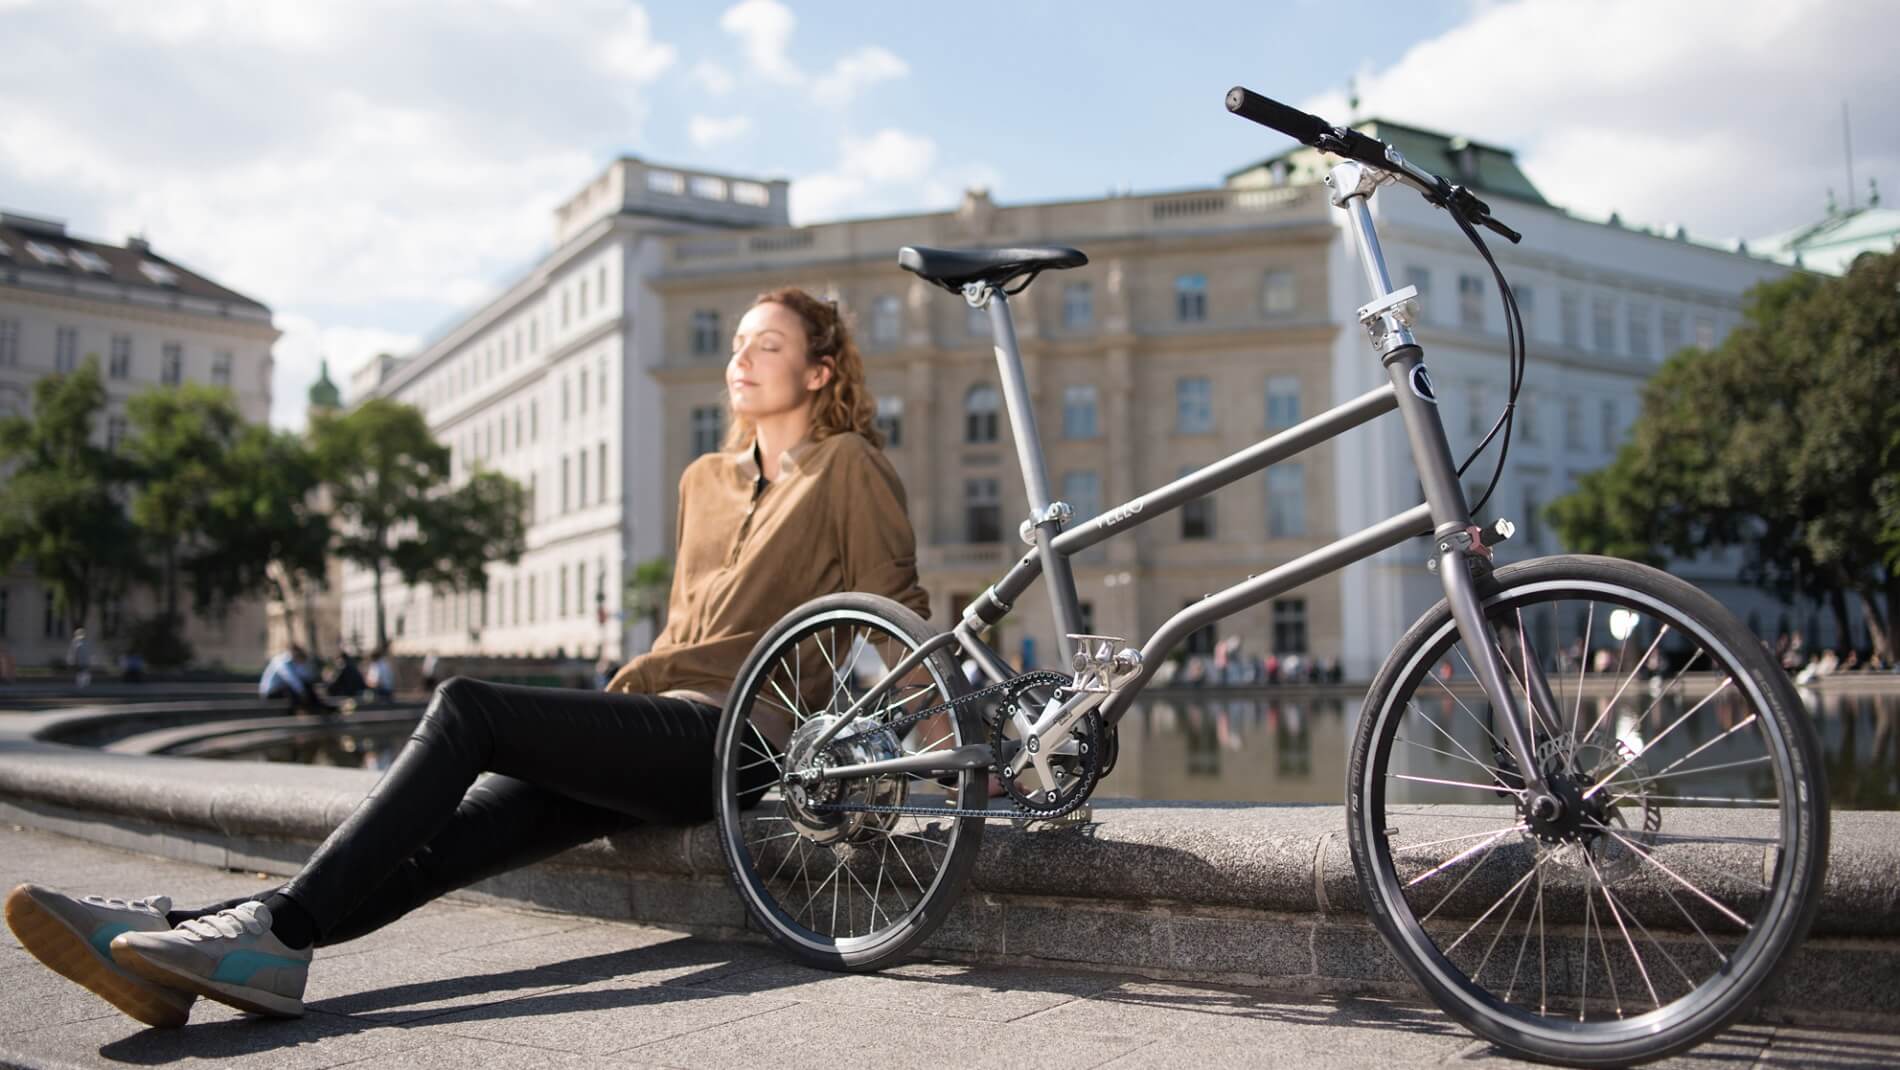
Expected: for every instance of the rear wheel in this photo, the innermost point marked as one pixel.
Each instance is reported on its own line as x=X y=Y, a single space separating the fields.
x=846 y=874
x=1687 y=864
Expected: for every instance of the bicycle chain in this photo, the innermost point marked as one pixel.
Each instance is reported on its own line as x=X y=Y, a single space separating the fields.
x=1023 y=682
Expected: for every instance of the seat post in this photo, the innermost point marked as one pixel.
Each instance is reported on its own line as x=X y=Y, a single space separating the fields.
x=1045 y=522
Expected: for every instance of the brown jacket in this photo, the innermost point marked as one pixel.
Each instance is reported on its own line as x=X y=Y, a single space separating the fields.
x=833 y=520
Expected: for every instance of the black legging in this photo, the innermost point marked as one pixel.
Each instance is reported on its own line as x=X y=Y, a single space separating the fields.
x=563 y=767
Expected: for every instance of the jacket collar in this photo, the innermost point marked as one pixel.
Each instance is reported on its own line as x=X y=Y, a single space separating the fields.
x=745 y=459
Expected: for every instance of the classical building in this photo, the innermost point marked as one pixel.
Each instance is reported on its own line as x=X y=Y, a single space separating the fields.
x=151 y=323
x=550 y=382
x=1206 y=319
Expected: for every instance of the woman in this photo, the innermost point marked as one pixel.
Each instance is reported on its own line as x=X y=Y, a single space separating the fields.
x=802 y=503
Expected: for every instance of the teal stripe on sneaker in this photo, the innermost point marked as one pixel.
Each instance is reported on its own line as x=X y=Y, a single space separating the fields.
x=102 y=937
x=239 y=967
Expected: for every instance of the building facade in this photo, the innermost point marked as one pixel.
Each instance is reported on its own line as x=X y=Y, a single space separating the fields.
x=1206 y=320
x=150 y=323
x=550 y=383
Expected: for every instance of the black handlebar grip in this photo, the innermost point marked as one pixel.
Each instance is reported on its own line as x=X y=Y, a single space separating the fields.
x=1292 y=122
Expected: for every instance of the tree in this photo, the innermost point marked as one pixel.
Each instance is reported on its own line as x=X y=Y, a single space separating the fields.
x=647 y=588
x=262 y=529
x=60 y=507
x=1780 y=442
x=179 y=447
x=386 y=476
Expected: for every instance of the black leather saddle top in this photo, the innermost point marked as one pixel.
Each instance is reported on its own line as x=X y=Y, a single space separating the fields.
x=953 y=268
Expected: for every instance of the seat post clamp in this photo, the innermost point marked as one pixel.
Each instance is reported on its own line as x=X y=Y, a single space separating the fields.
x=978 y=293
x=1057 y=511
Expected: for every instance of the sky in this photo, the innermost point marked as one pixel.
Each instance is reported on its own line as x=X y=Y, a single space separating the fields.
x=372 y=170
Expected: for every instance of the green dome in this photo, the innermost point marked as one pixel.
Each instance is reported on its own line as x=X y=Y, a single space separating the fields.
x=323 y=393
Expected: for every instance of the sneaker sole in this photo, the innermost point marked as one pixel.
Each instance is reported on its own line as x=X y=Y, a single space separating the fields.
x=244 y=998
x=64 y=950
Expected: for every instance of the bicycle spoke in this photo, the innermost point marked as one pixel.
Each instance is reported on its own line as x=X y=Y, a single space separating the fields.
x=1628 y=680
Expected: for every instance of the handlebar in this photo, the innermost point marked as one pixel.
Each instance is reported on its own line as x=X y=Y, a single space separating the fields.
x=1309 y=129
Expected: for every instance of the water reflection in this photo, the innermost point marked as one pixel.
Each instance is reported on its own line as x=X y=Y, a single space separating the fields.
x=1291 y=745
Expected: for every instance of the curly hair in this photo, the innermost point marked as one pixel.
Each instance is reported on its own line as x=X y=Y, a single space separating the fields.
x=844 y=403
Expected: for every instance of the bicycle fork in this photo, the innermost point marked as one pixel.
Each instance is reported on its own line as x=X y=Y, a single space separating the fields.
x=1458 y=542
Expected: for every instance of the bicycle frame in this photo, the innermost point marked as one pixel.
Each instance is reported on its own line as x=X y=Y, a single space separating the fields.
x=1444 y=515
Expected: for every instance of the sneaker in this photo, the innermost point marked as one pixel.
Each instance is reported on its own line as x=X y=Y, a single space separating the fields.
x=230 y=956
x=73 y=936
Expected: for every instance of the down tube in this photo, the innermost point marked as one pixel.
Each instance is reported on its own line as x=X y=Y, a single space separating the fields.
x=1307 y=567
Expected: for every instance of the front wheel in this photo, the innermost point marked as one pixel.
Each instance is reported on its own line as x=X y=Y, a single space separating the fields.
x=1687 y=863
x=845 y=874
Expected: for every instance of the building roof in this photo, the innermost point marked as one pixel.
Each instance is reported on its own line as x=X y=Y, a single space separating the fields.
x=1483 y=168
x=1832 y=244
x=35 y=243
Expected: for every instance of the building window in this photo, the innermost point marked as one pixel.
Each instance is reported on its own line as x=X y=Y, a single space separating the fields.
x=565 y=473
x=1283 y=402
x=580 y=392
x=1197 y=516
x=1277 y=295
x=564 y=307
x=1078 y=411
x=1639 y=330
x=1193 y=406
x=1533 y=519
x=1525 y=421
x=221 y=369
x=708 y=421
x=566 y=401
x=1083 y=491
x=1078 y=305
x=979 y=414
x=580 y=308
x=65 y=349
x=1704 y=332
x=560 y=608
x=1471 y=302
x=705 y=332
x=1570 y=312
x=1421 y=279
x=1603 y=325
x=600 y=284
x=9 y=343
x=1286 y=501
x=534 y=485
x=580 y=479
x=533 y=604
x=1190 y=298
x=886 y=320
x=580 y=589
x=534 y=420
x=1608 y=424
x=982 y=511
x=1289 y=626
x=119 y=363
x=1573 y=423
x=518 y=438
x=115 y=432
x=600 y=494
x=890 y=420
x=171 y=365
x=534 y=336
x=1671 y=330
x=1526 y=299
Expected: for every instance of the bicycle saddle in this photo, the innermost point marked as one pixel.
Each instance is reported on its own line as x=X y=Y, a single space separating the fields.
x=952 y=268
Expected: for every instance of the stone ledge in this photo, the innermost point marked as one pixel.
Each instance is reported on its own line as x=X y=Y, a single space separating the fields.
x=1261 y=894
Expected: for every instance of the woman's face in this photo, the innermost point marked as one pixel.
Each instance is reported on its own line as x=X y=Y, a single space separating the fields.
x=769 y=372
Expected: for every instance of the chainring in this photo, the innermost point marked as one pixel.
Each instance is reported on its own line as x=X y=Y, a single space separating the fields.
x=1077 y=769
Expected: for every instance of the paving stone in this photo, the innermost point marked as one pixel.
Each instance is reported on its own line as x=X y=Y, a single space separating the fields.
x=824 y=1037
x=600 y=951
x=397 y=985
x=1737 y=1048
x=602 y=1018
x=460 y=1052
x=217 y=1035
x=1791 y=1047
x=982 y=993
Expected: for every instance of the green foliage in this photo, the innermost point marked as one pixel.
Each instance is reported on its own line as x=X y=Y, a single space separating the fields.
x=647 y=588
x=60 y=510
x=1782 y=441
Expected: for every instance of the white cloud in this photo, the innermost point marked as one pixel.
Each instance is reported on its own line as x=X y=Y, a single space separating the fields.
x=707 y=131
x=630 y=52
x=358 y=184
x=712 y=77
x=1722 y=114
x=764 y=29
x=867 y=66
x=889 y=171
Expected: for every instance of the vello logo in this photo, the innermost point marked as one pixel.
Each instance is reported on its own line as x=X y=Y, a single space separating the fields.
x=1422 y=383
